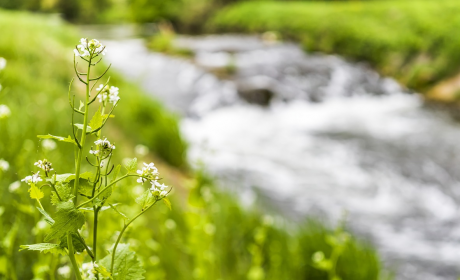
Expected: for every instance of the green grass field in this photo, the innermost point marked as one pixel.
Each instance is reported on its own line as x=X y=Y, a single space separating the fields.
x=207 y=235
x=416 y=42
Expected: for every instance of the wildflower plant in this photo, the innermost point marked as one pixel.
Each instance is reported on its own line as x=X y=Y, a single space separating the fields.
x=78 y=193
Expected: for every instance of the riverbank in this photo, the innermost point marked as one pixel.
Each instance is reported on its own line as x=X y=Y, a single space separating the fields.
x=415 y=42
x=208 y=234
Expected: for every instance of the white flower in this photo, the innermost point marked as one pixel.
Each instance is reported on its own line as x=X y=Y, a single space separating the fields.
x=148 y=173
x=45 y=165
x=109 y=94
x=4 y=165
x=48 y=144
x=158 y=190
x=64 y=271
x=87 y=269
x=2 y=63
x=33 y=179
x=89 y=48
x=103 y=147
x=4 y=111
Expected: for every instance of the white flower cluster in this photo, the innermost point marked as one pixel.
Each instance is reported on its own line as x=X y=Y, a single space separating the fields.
x=158 y=190
x=45 y=165
x=110 y=94
x=33 y=179
x=88 y=270
x=150 y=173
x=4 y=165
x=103 y=147
x=64 y=271
x=89 y=48
x=4 y=111
x=48 y=144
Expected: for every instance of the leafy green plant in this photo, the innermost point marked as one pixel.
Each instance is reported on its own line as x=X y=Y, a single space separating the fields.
x=94 y=187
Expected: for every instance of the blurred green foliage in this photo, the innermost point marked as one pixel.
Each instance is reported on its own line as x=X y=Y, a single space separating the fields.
x=207 y=235
x=413 y=41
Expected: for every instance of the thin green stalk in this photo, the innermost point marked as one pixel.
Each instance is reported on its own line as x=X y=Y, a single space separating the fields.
x=83 y=138
x=72 y=256
x=96 y=213
x=103 y=189
x=123 y=231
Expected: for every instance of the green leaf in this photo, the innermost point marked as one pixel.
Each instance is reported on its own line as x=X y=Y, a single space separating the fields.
x=80 y=126
x=59 y=138
x=145 y=199
x=68 y=218
x=35 y=192
x=65 y=192
x=167 y=202
x=96 y=121
x=45 y=248
x=78 y=245
x=103 y=271
x=126 y=265
x=48 y=218
x=131 y=165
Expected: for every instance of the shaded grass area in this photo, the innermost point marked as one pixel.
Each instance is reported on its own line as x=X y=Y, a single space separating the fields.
x=206 y=235
x=416 y=42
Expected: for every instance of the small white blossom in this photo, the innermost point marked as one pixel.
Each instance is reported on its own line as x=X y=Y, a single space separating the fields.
x=108 y=94
x=45 y=165
x=87 y=269
x=148 y=173
x=2 y=63
x=89 y=47
x=4 y=165
x=64 y=271
x=103 y=147
x=33 y=179
x=14 y=186
x=4 y=111
x=158 y=190
x=48 y=144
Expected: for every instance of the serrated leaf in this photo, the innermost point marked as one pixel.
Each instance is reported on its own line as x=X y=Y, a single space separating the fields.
x=96 y=121
x=145 y=199
x=59 y=138
x=103 y=271
x=126 y=265
x=65 y=192
x=80 y=126
x=167 y=202
x=131 y=165
x=68 y=218
x=35 y=192
x=48 y=218
x=78 y=245
x=44 y=248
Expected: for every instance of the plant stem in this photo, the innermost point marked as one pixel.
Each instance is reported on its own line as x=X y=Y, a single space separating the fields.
x=83 y=138
x=103 y=189
x=96 y=215
x=123 y=231
x=72 y=256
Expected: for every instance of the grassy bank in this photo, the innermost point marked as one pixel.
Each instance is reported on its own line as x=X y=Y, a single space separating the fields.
x=207 y=235
x=416 y=42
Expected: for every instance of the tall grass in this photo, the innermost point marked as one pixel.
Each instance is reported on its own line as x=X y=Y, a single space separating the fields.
x=207 y=235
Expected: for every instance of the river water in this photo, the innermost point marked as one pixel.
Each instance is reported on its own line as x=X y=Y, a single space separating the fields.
x=317 y=136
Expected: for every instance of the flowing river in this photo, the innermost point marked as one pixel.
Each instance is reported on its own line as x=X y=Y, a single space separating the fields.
x=315 y=135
